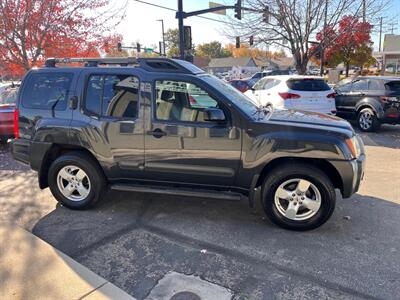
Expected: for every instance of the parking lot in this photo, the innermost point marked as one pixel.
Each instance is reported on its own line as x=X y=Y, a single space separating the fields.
x=133 y=240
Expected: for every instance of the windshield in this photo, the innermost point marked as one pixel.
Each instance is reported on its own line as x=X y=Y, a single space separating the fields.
x=236 y=97
x=9 y=96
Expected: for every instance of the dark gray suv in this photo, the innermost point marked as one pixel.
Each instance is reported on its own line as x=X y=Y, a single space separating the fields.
x=164 y=126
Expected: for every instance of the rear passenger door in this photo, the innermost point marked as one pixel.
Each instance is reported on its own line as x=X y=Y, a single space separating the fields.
x=111 y=107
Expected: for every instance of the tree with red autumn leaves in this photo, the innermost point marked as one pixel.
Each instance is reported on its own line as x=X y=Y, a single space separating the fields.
x=32 y=30
x=349 y=44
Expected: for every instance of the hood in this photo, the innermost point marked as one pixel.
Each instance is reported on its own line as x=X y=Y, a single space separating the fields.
x=299 y=117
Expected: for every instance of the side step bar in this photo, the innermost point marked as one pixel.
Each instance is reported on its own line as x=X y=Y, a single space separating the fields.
x=220 y=195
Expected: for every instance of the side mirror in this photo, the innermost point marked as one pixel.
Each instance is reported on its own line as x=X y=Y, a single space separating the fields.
x=214 y=115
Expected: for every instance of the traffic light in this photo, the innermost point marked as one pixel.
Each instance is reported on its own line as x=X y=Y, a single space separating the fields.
x=251 y=40
x=266 y=14
x=137 y=47
x=238 y=10
x=237 y=42
x=187 y=32
x=318 y=52
x=119 y=47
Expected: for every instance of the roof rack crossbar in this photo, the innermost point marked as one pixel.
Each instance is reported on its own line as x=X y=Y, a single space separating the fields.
x=92 y=61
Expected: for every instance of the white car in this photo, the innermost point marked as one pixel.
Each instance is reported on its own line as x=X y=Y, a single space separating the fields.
x=308 y=93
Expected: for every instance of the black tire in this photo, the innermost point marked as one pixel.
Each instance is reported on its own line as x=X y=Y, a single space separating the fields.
x=286 y=172
x=90 y=167
x=373 y=126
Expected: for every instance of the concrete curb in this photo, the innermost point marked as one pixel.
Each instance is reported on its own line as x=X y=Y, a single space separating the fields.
x=32 y=269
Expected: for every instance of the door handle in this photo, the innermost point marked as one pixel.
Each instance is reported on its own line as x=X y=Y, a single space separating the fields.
x=157 y=133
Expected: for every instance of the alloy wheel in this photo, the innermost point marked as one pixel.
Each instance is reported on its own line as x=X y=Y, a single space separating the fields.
x=365 y=120
x=297 y=199
x=73 y=183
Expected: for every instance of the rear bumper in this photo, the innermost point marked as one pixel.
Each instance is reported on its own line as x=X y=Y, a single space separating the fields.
x=352 y=173
x=6 y=130
x=31 y=153
x=20 y=150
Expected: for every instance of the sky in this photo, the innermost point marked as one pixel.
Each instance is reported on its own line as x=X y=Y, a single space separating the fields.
x=140 y=23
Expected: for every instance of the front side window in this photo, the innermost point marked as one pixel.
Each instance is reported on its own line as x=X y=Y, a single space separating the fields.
x=113 y=96
x=47 y=91
x=181 y=101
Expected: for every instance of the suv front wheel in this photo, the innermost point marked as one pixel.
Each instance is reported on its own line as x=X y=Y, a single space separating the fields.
x=298 y=197
x=76 y=180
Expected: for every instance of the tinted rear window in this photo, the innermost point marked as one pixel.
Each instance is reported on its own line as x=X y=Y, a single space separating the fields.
x=47 y=91
x=393 y=86
x=312 y=85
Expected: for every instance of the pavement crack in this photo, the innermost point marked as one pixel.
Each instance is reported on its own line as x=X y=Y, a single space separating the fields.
x=92 y=291
x=250 y=260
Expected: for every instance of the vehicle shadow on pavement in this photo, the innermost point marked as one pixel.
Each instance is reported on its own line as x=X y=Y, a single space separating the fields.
x=387 y=136
x=134 y=239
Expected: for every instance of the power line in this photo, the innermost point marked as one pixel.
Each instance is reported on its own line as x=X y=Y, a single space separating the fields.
x=172 y=9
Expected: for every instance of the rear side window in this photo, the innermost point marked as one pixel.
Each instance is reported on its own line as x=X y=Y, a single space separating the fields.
x=360 y=85
x=9 y=96
x=310 y=85
x=375 y=85
x=393 y=86
x=47 y=91
x=113 y=96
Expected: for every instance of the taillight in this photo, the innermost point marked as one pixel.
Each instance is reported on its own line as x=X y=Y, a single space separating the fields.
x=331 y=95
x=386 y=99
x=286 y=96
x=16 y=125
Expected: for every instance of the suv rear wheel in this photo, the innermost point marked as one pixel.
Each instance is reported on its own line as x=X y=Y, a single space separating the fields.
x=76 y=181
x=298 y=197
x=367 y=120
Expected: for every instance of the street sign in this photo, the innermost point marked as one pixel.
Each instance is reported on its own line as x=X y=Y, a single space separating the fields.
x=219 y=12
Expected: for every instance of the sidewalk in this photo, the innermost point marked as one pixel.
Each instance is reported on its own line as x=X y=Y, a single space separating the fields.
x=32 y=269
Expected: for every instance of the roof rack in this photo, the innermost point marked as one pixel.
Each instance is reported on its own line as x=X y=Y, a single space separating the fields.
x=92 y=61
x=149 y=64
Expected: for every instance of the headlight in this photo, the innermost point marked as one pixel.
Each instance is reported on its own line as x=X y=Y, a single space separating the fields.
x=354 y=146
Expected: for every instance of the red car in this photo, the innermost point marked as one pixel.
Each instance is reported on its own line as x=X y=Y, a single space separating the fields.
x=8 y=113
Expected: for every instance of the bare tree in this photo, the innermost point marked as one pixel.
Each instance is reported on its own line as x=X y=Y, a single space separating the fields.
x=293 y=24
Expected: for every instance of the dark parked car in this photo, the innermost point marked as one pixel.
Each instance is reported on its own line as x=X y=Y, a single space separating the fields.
x=257 y=76
x=241 y=84
x=371 y=100
x=164 y=126
x=8 y=97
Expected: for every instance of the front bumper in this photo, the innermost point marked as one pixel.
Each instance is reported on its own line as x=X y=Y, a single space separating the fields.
x=352 y=173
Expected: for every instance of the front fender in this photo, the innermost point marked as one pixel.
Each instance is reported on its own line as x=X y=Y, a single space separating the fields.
x=261 y=150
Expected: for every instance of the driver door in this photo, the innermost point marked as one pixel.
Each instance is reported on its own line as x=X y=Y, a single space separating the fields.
x=180 y=145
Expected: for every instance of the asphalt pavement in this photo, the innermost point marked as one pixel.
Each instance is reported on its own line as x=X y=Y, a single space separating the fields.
x=140 y=241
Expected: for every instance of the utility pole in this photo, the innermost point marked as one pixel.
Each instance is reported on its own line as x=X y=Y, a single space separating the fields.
x=392 y=26
x=323 y=40
x=364 y=10
x=380 y=33
x=162 y=51
x=179 y=15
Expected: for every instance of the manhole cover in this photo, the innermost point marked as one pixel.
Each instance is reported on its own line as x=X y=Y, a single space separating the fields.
x=185 y=296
